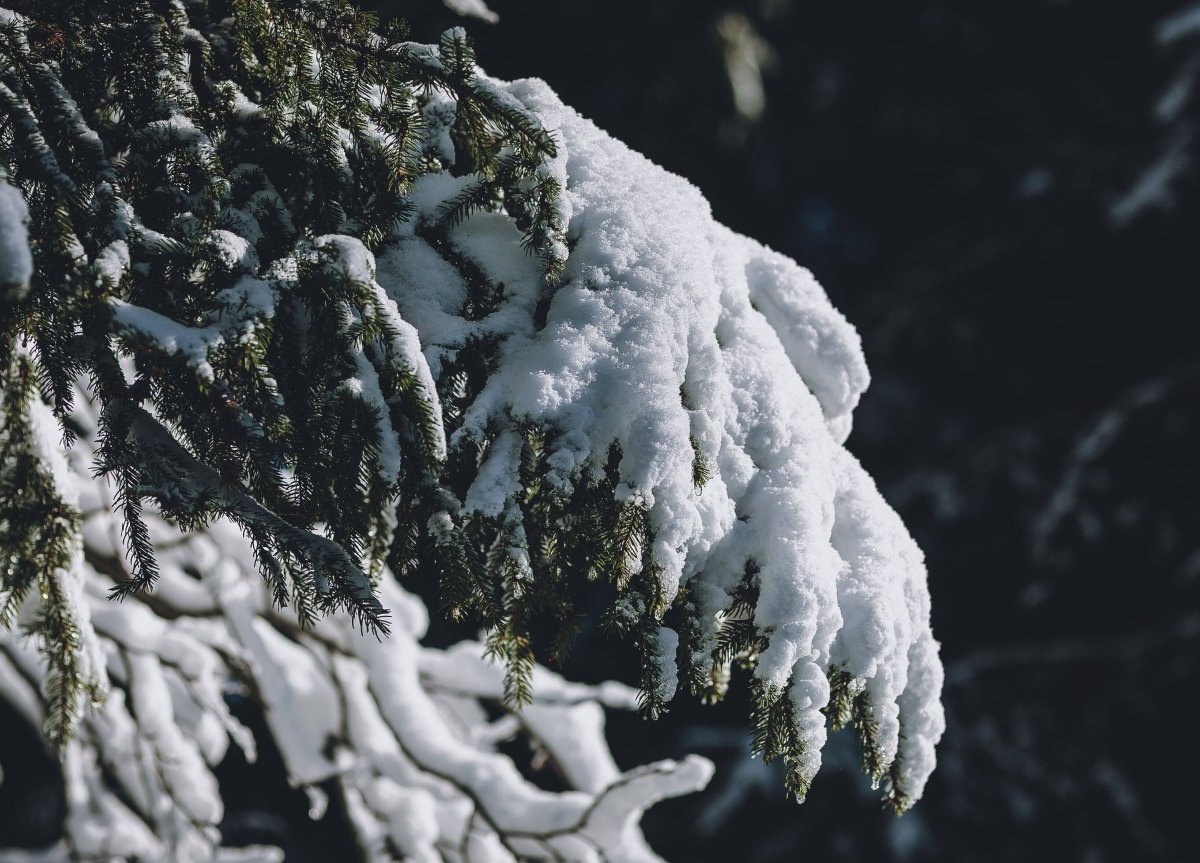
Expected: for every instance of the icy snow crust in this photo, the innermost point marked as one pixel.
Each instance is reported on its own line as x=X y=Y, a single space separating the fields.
x=668 y=328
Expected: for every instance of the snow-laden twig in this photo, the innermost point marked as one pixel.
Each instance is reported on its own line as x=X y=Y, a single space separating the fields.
x=400 y=727
x=394 y=310
x=673 y=344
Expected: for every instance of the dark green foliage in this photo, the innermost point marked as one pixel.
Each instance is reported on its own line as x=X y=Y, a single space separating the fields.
x=181 y=161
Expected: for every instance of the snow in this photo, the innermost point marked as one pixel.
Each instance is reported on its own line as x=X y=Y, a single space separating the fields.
x=16 y=260
x=192 y=344
x=668 y=671
x=657 y=299
x=373 y=715
x=667 y=336
x=1175 y=96
x=428 y=290
x=820 y=343
x=352 y=260
x=473 y=8
x=69 y=581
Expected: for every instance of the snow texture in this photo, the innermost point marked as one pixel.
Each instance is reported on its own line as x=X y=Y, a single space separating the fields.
x=658 y=300
x=669 y=337
x=16 y=261
x=473 y=9
x=400 y=727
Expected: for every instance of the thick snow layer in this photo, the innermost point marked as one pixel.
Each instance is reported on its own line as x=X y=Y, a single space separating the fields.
x=668 y=328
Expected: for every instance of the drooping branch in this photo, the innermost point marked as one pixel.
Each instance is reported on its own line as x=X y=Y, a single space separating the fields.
x=385 y=313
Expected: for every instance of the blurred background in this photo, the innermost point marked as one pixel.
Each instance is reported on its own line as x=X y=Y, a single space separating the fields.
x=1004 y=198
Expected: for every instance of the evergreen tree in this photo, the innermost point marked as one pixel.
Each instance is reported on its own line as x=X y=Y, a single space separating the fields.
x=387 y=315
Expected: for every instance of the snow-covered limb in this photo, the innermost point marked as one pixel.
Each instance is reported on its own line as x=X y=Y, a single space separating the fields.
x=689 y=390
x=370 y=305
x=473 y=8
x=401 y=728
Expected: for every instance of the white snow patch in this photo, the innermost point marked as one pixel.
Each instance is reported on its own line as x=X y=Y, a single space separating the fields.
x=16 y=260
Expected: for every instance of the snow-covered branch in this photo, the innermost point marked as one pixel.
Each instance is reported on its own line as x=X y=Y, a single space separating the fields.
x=401 y=728
x=387 y=315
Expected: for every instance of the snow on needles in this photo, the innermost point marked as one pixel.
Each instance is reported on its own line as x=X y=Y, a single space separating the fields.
x=668 y=328
x=647 y=375
x=399 y=731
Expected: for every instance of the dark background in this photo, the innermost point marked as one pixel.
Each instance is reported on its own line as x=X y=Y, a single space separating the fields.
x=953 y=173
